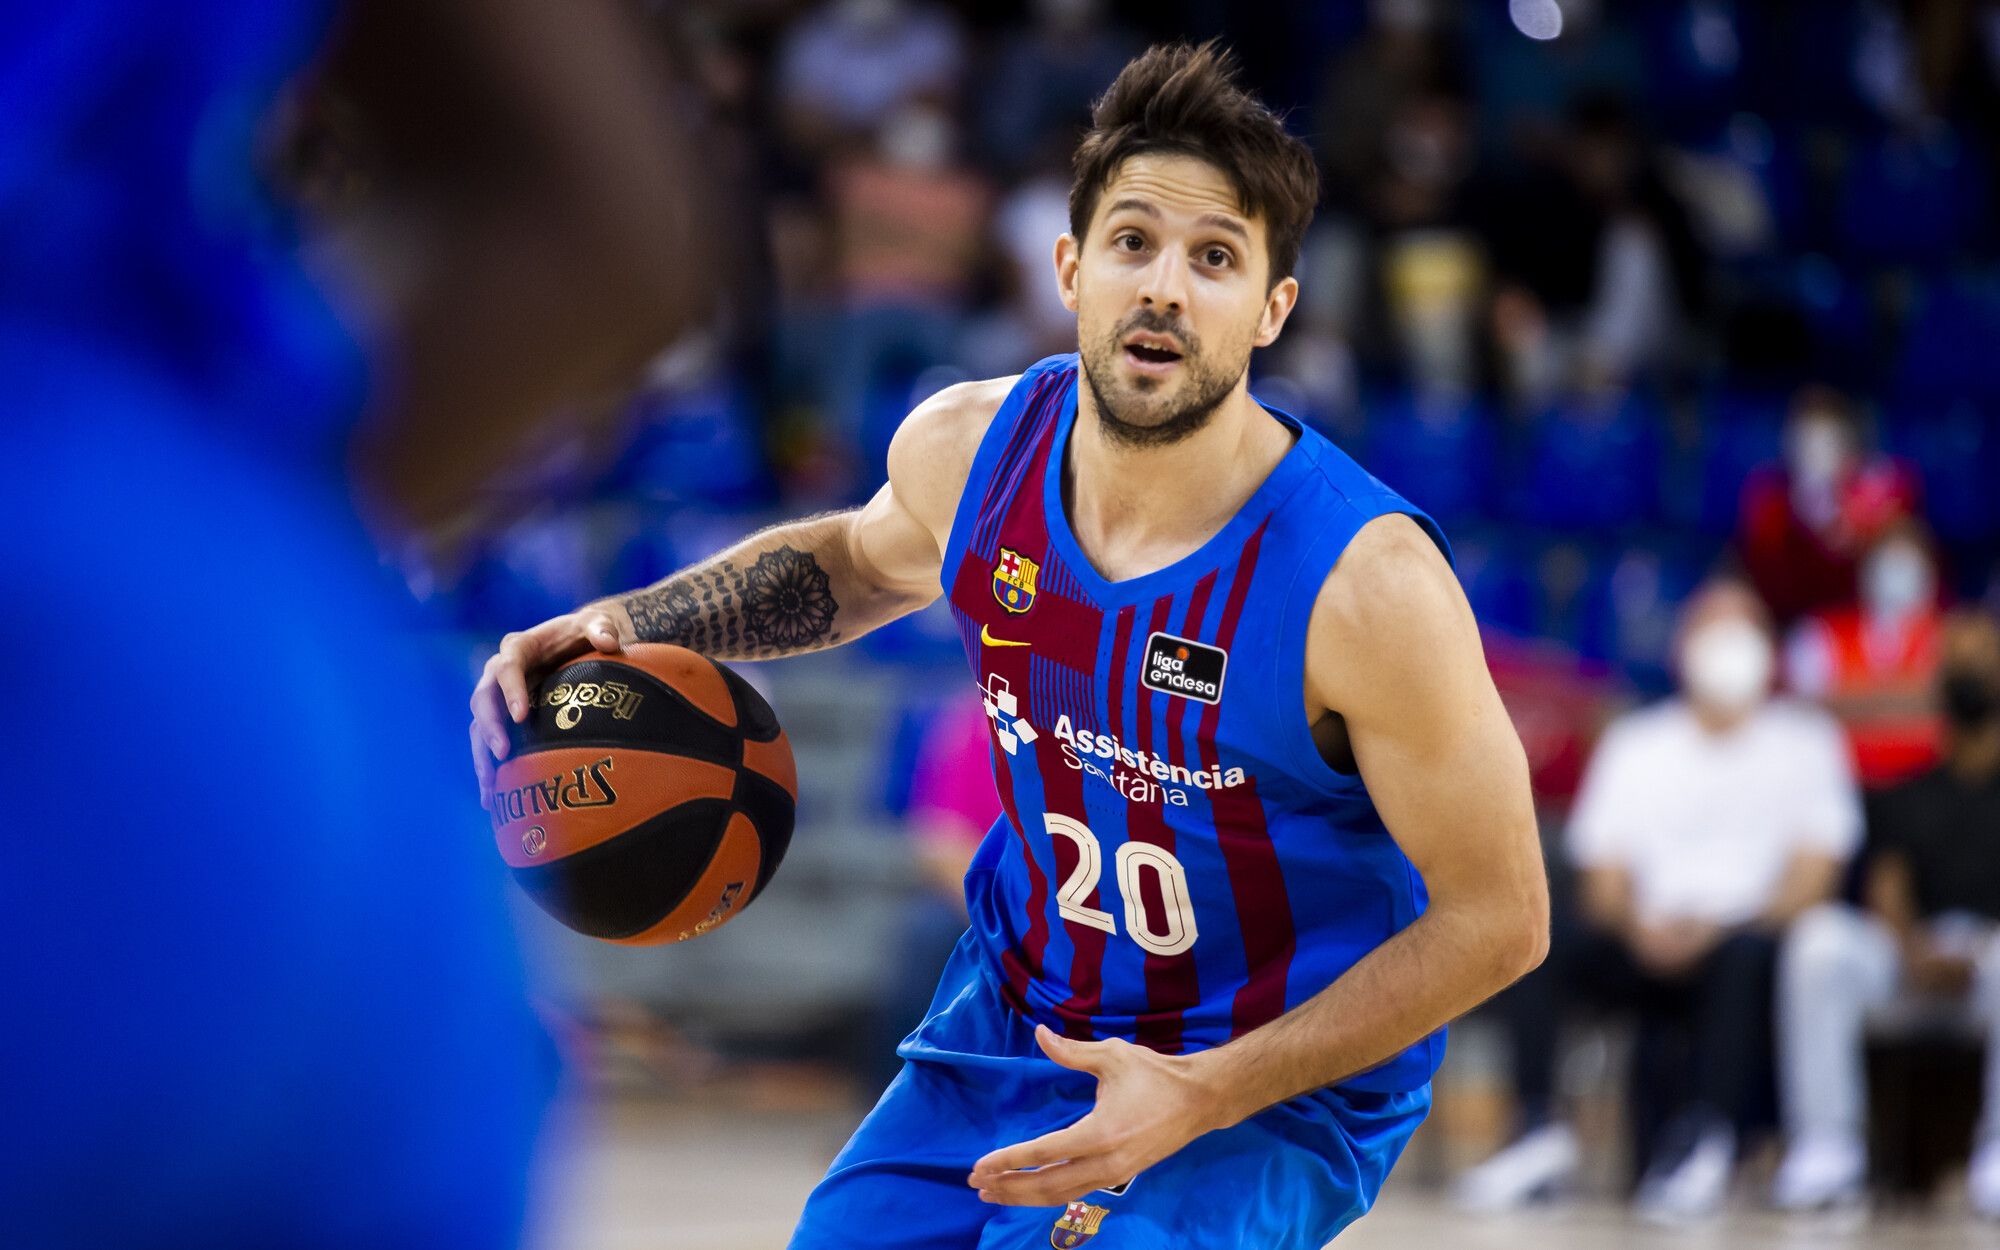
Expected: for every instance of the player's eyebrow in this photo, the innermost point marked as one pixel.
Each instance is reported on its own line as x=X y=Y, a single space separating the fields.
x=1214 y=221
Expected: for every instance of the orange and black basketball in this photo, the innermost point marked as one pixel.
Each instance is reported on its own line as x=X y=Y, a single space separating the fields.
x=648 y=797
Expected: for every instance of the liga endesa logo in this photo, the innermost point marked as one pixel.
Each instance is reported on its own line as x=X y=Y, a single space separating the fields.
x=1184 y=667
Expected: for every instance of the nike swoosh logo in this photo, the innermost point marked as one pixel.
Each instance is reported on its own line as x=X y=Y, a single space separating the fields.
x=986 y=636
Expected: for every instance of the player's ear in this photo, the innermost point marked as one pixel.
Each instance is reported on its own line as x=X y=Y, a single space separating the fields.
x=1068 y=253
x=1278 y=306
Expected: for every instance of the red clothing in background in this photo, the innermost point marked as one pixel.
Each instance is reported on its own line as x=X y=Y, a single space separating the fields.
x=1802 y=563
x=1880 y=684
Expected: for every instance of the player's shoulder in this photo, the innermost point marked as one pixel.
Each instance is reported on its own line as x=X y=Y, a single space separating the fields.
x=1390 y=615
x=954 y=419
x=931 y=455
x=1391 y=576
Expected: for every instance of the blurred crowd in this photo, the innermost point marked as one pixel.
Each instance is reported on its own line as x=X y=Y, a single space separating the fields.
x=1679 y=314
x=1600 y=286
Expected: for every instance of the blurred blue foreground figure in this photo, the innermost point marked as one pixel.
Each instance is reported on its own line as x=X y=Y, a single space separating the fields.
x=262 y=989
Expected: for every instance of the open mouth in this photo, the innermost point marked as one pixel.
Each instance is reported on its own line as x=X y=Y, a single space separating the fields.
x=1151 y=354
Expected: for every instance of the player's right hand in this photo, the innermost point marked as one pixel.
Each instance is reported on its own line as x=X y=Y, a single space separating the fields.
x=502 y=692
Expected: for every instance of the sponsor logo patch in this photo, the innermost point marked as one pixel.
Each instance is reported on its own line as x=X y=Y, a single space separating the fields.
x=1184 y=667
x=1004 y=710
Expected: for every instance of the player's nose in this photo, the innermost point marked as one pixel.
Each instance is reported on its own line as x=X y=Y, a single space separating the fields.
x=1163 y=286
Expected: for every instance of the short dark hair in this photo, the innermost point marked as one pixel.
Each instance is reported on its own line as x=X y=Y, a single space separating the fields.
x=1185 y=100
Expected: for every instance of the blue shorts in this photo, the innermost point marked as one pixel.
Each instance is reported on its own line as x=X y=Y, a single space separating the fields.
x=1288 y=1178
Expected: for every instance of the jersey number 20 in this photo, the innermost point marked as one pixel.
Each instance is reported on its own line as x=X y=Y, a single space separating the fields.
x=1133 y=859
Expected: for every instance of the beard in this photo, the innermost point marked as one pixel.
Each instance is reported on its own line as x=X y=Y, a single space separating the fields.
x=1148 y=414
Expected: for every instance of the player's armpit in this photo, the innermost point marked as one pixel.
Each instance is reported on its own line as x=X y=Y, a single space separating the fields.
x=1394 y=649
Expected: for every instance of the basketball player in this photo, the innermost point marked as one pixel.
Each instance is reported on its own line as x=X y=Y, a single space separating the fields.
x=251 y=1005
x=1267 y=827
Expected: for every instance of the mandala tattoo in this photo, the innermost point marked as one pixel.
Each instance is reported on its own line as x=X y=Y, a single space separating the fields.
x=780 y=605
x=786 y=603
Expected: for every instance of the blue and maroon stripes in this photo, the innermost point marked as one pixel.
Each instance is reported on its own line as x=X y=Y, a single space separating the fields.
x=1173 y=982
x=1057 y=690
x=1263 y=908
x=1013 y=477
x=1059 y=581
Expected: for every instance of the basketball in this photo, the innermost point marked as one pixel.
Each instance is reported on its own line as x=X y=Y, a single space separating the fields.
x=648 y=797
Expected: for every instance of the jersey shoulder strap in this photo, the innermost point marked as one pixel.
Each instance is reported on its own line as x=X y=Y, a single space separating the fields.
x=1315 y=527
x=1003 y=449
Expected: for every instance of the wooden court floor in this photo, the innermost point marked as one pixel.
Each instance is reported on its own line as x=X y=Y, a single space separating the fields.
x=642 y=1173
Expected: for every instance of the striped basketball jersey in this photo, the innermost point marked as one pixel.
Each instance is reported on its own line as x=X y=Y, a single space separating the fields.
x=1175 y=864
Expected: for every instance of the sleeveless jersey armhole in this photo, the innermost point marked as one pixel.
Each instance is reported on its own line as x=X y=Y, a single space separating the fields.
x=999 y=432
x=1291 y=727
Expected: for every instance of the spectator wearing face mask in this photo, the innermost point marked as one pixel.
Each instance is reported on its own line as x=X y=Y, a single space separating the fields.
x=1705 y=824
x=1926 y=950
x=1874 y=665
x=1805 y=523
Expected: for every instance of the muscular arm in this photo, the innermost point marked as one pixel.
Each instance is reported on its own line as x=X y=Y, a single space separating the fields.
x=1394 y=649
x=794 y=588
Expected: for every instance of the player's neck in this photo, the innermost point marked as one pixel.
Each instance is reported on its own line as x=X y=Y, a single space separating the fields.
x=1134 y=509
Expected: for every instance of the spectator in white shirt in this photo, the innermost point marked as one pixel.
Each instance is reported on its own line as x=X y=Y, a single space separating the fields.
x=1705 y=825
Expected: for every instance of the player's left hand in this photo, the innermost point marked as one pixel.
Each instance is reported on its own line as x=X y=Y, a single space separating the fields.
x=1148 y=1106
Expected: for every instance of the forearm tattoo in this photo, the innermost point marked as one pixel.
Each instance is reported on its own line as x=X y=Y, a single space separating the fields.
x=780 y=605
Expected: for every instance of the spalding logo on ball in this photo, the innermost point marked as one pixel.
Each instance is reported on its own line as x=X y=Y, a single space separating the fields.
x=648 y=798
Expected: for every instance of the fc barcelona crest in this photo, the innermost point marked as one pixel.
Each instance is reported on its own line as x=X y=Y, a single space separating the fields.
x=1076 y=1225
x=1014 y=580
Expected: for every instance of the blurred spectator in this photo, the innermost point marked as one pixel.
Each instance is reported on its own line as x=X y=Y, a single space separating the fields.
x=846 y=67
x=1405 y=52
x=1038 y=89
x=1597 y=259
x=1874 y=665
x=1031 y=321
x=909 y=223
x=952 y=800
x=1433 y=266
x=1805 y=522
x=952 y=804
x=1924 y=955
x=1705 y=824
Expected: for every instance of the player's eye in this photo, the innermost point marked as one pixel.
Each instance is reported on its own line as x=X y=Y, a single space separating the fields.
x=1217 y=257
x=1131 y=238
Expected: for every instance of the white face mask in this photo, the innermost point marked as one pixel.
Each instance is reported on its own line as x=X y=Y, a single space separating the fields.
x=1896 y=580
x=1817 y=452
x=1727 y=665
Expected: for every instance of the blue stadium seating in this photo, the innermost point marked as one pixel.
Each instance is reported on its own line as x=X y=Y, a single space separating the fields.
x=1590 y=464
x=1437 y=453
